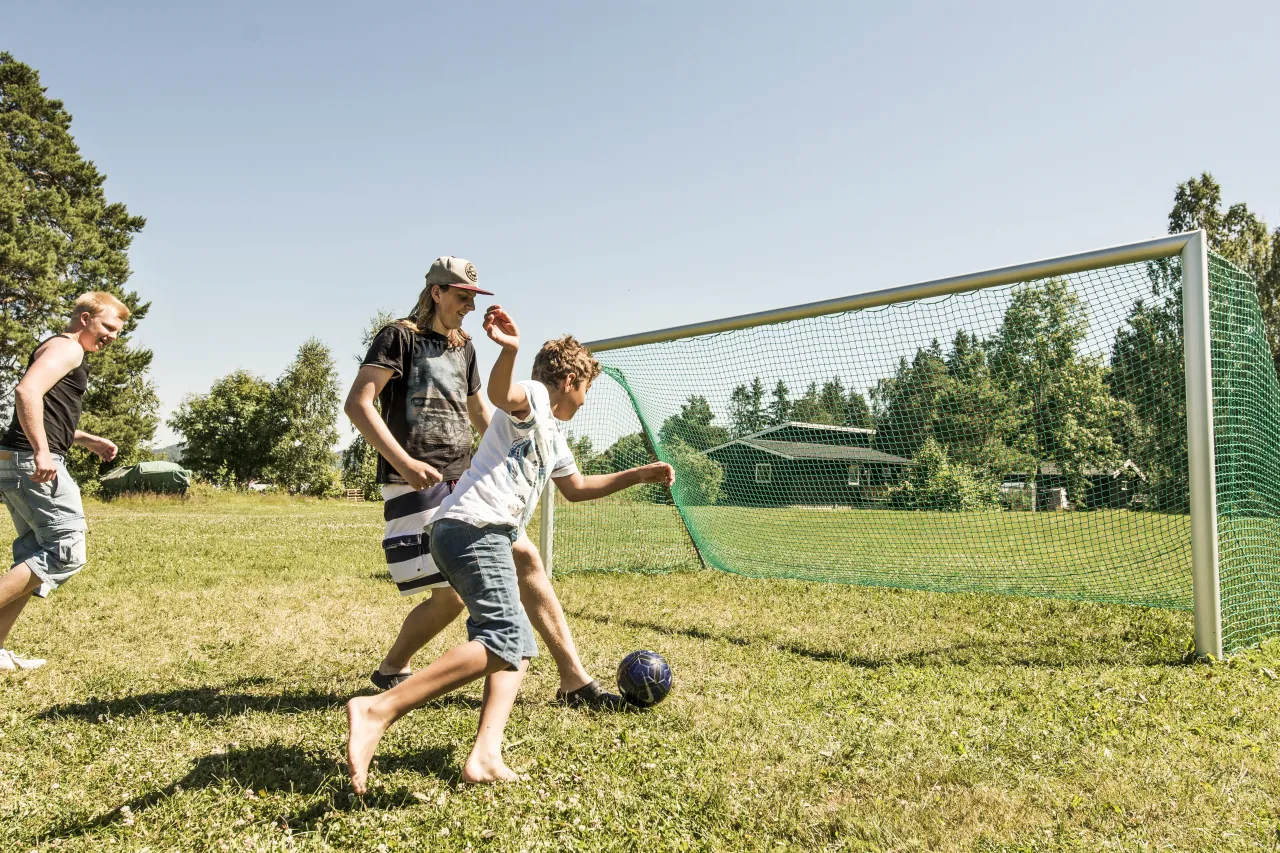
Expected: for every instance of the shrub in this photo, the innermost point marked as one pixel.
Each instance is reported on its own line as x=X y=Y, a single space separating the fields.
x=939 y=484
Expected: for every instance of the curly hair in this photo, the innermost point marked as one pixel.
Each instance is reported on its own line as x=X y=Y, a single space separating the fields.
x=565 y=355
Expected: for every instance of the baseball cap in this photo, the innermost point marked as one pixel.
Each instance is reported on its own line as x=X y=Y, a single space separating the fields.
x=455 y=272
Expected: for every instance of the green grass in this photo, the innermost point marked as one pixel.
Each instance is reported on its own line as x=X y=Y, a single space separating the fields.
x=199 y=665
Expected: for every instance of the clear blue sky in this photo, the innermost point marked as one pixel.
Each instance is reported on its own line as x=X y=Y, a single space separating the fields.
x=611 y=168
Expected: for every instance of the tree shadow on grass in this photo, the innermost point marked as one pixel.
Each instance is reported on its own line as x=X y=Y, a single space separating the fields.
x=319 y=777
x=229 y=700
x=1037 y=652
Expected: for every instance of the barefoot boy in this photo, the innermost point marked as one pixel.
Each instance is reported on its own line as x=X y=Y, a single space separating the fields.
x=471 y=538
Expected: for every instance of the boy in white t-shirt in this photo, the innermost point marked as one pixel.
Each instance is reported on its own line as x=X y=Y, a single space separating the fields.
x=471 y=536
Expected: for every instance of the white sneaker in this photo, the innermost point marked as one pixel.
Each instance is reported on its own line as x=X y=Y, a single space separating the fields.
x=10 y=662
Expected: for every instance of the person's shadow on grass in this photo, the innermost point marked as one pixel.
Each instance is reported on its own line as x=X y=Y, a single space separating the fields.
x=256 y=773
x=228 y=700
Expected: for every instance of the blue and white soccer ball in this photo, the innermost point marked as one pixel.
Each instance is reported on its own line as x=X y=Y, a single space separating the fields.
x=644 y=678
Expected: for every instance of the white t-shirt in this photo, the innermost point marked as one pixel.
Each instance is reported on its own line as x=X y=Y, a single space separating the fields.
x=511 y=466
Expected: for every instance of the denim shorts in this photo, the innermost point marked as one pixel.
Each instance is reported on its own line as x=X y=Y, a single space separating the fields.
x=477 y=563
x=48 y=517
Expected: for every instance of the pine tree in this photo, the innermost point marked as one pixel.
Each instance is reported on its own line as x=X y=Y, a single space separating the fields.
x=60 y=237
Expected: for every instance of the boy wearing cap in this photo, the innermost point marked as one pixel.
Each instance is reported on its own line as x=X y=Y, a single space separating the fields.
x=423 y=370
x=472 y=534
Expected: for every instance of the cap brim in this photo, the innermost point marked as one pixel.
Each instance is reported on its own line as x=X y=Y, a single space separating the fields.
x=472 y=288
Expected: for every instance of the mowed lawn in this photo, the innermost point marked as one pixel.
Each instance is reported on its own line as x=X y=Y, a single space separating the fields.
x=199 y=665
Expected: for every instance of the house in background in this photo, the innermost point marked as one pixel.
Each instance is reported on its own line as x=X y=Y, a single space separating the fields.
x=806 y=464
x=1115 y=488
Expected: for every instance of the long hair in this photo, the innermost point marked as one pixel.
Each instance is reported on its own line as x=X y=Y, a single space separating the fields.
x=424 y=313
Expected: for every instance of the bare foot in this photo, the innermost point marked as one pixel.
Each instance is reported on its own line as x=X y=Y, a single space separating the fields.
x=487 y=769
x=363 y=734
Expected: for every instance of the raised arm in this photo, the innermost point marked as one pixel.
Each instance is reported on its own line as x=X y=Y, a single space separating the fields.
x=55 y=360
x=504 y=393
x=364 y=417
x=575 y=487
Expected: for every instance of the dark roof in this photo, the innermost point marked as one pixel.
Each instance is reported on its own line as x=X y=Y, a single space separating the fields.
x=805 y=450
x=841 y=433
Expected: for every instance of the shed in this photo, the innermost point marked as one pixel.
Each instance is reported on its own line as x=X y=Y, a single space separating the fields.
x=161 y=477
x=798 y=463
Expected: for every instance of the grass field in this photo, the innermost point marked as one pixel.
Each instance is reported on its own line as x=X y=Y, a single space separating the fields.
x=199 y=666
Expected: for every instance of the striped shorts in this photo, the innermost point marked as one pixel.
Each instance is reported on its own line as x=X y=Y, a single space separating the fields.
x=407 y=511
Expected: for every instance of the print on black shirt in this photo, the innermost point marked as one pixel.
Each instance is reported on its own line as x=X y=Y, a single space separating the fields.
x=425 y=403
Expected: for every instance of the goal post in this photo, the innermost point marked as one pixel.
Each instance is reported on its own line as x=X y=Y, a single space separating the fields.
x=1045 y=429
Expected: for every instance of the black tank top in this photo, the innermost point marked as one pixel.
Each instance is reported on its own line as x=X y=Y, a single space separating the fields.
x=62 y=405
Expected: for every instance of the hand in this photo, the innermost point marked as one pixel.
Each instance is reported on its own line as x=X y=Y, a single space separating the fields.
x=657 y=472
x=46 y=468
x=501 y=329
x=105 y=450
x=420 y=475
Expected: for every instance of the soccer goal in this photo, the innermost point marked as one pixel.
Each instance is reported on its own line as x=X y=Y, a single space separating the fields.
x=1102 y=426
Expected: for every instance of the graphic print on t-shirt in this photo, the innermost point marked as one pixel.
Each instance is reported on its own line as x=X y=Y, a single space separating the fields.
x=524 y=467
x=435 y=402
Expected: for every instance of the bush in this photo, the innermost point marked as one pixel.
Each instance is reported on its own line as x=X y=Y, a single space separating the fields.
x=936 y=483
x=698 y=478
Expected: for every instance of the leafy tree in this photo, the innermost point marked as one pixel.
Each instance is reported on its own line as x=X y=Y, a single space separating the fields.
x=1238 y=235
x=60 y=237
x=779 y=408
x=230 y=432
x=1147 y=373
x=305 y=401
x=746 y=408
x=937 y=483
x=360 y=468
x=1060 y=401
x=699 y=478
x=627 y=452
x=693 y=426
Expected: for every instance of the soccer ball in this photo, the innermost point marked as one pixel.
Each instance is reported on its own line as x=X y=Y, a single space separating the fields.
x=644 y=678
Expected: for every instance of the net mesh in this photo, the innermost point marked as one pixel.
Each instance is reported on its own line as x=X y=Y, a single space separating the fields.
x=1027 y=439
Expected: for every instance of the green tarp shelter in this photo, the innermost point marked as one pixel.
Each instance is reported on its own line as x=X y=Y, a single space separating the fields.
x=162 y=477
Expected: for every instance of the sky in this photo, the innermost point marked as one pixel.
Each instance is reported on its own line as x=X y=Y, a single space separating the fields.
x=613 y=168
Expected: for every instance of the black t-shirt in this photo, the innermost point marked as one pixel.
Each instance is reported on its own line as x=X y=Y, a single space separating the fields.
x=425 y=402
x=62 y=405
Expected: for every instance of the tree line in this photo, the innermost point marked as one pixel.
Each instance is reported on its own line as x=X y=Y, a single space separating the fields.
x=60 y=236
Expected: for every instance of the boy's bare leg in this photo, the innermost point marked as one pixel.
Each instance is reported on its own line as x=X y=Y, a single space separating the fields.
x=420 y=627
x=368 y=717
x=485 y=763
x=16 y=586
x=544 y=610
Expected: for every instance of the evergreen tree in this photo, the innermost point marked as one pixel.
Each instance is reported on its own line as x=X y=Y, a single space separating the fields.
x=746 y=408
x=60 y=237
x=779 y=409
x=856 y=411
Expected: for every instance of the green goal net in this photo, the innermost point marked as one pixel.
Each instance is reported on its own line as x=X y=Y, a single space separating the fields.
x=1028 y=438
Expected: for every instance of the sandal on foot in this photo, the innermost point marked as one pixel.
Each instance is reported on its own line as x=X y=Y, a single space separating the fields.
x=593 y=697
x=382 y=681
